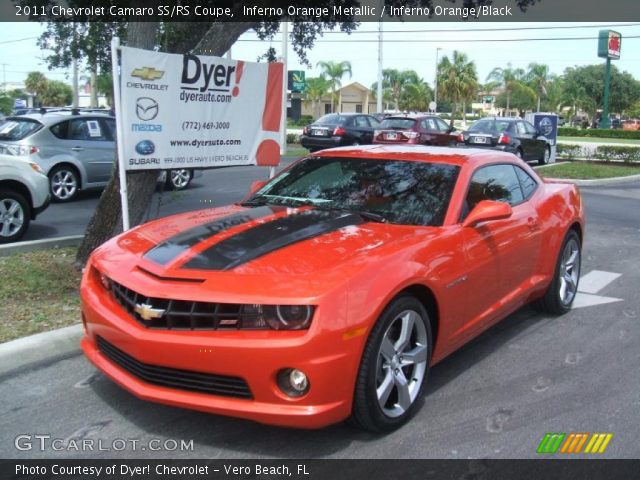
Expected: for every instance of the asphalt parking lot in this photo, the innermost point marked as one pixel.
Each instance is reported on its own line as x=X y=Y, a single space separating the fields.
x=494 y=398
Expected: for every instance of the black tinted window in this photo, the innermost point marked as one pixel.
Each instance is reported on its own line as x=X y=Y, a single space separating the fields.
x=414 y=193
x=61 y=129
x=495 y=182
x=332 y=119
x=527 y=182
x=490 y=125
x=397 y=123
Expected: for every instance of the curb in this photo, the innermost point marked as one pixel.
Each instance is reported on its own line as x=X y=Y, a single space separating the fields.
x=599 y=181
x=36 y=245
x=39 y=347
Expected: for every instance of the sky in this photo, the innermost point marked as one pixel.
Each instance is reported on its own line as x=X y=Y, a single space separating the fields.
x=406 y=46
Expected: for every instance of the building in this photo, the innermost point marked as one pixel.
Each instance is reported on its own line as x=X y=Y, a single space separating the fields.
x=353 y=98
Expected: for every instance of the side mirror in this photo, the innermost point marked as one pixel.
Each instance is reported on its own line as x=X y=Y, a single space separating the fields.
x=487 y=210
x=257 y=185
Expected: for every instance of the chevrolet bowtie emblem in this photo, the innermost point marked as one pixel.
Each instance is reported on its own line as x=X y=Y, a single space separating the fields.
x=147 y=312
x=147 y=73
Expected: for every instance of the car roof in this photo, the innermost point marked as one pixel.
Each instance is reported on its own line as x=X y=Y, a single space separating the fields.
x=50 y=118
x=419 y=153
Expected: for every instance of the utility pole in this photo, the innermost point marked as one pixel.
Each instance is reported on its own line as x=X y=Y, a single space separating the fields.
x=379 y=92
x=435 y=83
x=4 y=77
x=285 y=47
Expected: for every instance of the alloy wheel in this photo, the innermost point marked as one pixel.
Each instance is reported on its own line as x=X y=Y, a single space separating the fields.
x=64 y=184
x=402 y=363
x=180 y=178
x=11 y=217
x=569 y=272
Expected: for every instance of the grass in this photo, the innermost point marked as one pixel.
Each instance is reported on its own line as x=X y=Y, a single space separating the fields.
x=38 y=292
x=587 y=171
x=621 y=141
x=296 y=150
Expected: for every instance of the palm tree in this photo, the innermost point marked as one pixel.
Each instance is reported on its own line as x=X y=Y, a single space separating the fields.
x=333 y=73
x=387 y=95
x=416 y=97
x=538 y=78
x=457 y=80
x=36 y=83
x=511 y=79
x=314 y=90
x=396 y=80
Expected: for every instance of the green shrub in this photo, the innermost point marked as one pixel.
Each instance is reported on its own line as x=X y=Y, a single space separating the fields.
x=617 y=153
x=570 y=151
x=600 y=133
x=293 y=138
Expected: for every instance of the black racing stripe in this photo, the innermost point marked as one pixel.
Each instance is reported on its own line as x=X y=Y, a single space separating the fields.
x=268 y=237
x=168 y=250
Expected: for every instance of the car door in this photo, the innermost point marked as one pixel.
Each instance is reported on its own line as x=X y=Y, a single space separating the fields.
x=538 y=143
x=446 y=136
x=527 y=141
x=501 y=255
x=429 y=133
x=362 y=129
x=90 y=140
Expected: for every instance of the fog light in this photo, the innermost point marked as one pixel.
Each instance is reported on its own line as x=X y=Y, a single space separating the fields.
x=298 y=380
x=293 y=382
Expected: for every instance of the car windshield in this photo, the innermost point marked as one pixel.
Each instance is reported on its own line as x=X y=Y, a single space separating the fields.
x=18 y=128
x=397 y=123
x=332 y=119
x=394 y=191
x=490 y=125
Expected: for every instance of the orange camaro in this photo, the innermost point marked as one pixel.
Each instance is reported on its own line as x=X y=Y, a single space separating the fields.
x=333 y=288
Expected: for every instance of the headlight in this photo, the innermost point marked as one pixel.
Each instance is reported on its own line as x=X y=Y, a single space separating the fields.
x=277 y=317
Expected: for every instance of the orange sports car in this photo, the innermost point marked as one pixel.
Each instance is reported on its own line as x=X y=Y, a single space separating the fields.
x=330 y=291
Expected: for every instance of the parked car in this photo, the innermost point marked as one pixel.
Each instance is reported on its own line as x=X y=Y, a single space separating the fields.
x=512 y=135
x=331 y=291
x=76 y=150
x=338 y=129
x=631 y=124
x=24 y=194
x=417 y=129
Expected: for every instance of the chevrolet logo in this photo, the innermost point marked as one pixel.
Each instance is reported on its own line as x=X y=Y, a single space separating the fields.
x=147 y=73
x=147 y=312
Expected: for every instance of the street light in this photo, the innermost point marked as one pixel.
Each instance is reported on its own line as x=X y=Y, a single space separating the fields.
x=435 y=89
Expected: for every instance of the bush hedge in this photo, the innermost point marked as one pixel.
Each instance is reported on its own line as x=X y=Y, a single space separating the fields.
x=605 y=153
x=598 y=132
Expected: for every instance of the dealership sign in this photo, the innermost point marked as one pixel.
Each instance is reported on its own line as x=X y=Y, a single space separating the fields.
x=188 y=111
x=296 y=81
x=609 y=44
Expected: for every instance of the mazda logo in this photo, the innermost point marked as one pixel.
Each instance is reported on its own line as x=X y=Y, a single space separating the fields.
x=146 y=108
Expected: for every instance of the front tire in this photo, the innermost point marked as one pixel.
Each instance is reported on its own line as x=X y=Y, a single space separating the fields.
x=15 y=214
x=547 y=156
x=562 y=291
x=394 y=367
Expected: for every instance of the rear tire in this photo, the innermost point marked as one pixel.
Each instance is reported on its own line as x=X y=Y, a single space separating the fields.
x=15 y=214
x=562 y=291
x=394 y=367
x=64 y=183
x=178 y=179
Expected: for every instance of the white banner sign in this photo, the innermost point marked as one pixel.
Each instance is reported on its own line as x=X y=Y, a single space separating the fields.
x=188 y=111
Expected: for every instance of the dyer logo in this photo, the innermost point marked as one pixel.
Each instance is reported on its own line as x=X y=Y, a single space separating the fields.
x=574 y=442
x=146 y=109
x=203 y=77
x=147 y=73
x=145 y=147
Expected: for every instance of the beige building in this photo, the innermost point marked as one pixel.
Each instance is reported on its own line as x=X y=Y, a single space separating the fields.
x=354 y=97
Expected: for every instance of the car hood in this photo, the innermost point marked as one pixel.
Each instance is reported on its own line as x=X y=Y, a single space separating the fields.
x=248 y=250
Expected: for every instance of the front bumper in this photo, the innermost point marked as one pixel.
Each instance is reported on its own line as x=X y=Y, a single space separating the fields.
x=330 y=362
x=38 y=210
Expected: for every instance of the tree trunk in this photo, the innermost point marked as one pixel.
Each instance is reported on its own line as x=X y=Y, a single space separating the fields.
x=94 y=86
x=107 y=219
x=538 y=103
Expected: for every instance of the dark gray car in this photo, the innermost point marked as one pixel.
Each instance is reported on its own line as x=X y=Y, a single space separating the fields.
x=512 y=135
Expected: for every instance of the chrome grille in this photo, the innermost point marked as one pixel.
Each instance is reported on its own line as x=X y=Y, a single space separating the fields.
x=188 y=315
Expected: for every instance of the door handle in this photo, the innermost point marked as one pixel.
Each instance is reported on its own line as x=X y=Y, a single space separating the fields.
x=77 y=149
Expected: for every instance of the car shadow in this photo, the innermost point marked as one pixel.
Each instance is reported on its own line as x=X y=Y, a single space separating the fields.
x=245 y=438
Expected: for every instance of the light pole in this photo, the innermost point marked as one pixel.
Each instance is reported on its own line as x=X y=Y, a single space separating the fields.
x=435 y=83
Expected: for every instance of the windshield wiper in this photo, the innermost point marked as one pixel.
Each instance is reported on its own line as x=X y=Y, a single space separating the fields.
x=254 y=202
x=375 y=217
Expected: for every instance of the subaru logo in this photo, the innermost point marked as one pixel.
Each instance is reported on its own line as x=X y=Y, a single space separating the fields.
x=146 y=108
x=145 y=147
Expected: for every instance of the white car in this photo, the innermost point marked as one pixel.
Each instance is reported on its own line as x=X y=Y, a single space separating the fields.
x=24 y=194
